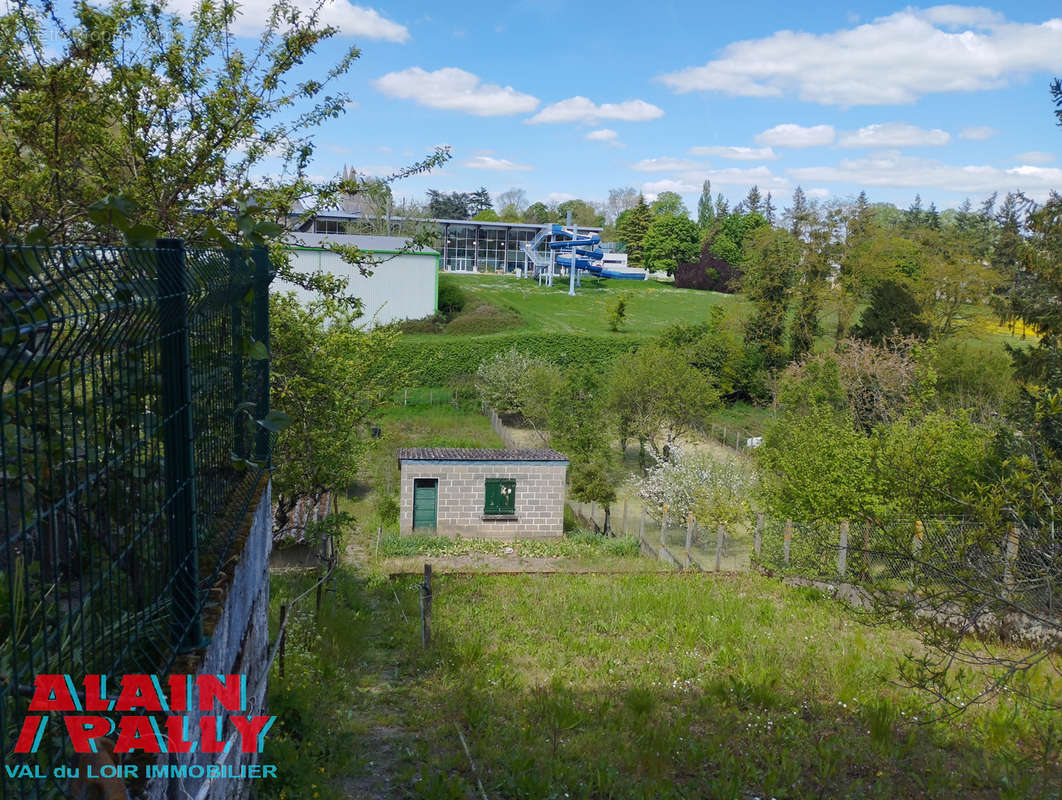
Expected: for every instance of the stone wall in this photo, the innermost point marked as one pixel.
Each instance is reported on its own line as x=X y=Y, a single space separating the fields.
x=540 y=494
x=239 y=644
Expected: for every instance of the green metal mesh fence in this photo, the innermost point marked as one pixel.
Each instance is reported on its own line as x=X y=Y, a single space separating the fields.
x=131 y=382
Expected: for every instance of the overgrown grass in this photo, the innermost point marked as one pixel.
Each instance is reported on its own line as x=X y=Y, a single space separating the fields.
x=662 y=686
x=576 y=544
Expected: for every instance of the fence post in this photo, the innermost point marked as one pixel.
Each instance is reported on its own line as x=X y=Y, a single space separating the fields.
x=592 y=523
x=842 y=550
x=720 y=535
x=1008 y=564
x=237 y=281
x=787 y=539
x=663 y=528
x=425 y=607
x=261 y=334
x=624 y=517
x=641 y=525
x=178 y=443
x=757 y=537
x=689 y=533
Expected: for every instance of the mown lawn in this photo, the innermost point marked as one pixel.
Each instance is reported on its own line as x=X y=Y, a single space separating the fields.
x=638 y=686
x=651 y=306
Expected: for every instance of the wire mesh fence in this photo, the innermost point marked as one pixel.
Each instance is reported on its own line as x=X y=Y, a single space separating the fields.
x=135 y=409
x=946 y=560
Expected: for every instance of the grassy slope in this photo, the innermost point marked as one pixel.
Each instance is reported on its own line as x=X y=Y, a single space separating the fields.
x=652 y=305
x=656 y=686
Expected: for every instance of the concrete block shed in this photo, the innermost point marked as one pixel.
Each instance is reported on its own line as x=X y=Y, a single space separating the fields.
x=497 y=494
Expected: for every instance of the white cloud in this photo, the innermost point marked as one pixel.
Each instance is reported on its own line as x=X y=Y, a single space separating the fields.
x=252 y=17
x=790 y=135
x=978 y=133
x=497 y=164
x=453 y=89
x=1035 y=157
x=818 y=193
x=893 y=134
x=893 y=169
x=582 y=109
x=666 y=164
x=602 y=135
x=560 y=197
x=692 y=182
x=736 y=153
x=894 y=59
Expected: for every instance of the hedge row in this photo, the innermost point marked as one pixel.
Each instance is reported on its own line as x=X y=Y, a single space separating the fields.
x=437 y=360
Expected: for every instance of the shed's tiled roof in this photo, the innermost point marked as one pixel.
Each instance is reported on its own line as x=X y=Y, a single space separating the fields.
x=476 y=454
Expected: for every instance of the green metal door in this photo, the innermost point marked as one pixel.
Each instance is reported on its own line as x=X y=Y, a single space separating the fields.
x=425 y=498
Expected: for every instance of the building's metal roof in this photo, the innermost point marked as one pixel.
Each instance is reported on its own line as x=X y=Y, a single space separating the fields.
x=476 y=454
x=482 y=223
x=370 y=244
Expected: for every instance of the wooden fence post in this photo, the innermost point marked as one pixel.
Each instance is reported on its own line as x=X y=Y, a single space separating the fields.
x=720 y=536
x=919 y=534
x=689 y=533
x=624 y=517
x=641 y=525
x=757 y=537
x=425 y=607
x=787 y=539
x=842 y=550
x=663 y=528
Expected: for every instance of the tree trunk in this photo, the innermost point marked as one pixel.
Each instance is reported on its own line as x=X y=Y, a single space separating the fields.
x=608 y=521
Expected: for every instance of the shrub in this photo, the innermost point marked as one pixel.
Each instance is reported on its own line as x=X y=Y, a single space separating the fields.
x=435 y=361
x=452 y=298
x=484 y=318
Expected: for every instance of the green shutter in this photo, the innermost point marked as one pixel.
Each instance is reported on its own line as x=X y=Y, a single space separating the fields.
x=499 y=496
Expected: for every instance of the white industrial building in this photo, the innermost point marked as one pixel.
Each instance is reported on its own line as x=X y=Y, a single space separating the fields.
x=401 y=286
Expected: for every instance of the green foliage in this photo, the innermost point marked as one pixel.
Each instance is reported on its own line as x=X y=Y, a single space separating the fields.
x=481 y=318
x=575 y=544
x=713 y=348
x=893 y=312
x=500 y=379
x=537 y=214
x=176 y=115
x=705 y=211
x=671 y=239
x=576 y=418
x=438 y=361
x=768 y=282
x=733 y=238
x=582 y=214
x=452 y=298
x=669 y=204
x=816 y=467
x=617 y=312
x=632 y=227
x=971 y=375
x=329 y=376
x=487 y=215
x=656 y=397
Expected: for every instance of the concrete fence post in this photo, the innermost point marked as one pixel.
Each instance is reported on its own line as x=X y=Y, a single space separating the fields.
x=1008 y=564
x=689 y=532
x=663 y=528
x=787 y=540
x=757 y=536
x=720 y=538
x=641 y=525
x=624 y=517
x=842 y=549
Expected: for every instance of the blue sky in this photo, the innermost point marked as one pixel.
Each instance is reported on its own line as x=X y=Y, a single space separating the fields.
x=566 y=100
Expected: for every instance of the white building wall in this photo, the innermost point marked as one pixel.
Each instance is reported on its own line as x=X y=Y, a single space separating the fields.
x=401 y=287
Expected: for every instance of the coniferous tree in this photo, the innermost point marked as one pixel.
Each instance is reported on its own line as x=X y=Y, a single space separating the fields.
x=722 y=208
x=753 y=202
x=768 y=210
x=632 y=230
